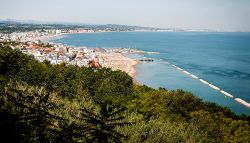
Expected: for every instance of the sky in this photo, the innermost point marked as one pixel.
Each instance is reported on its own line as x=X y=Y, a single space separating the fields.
x=226 y=15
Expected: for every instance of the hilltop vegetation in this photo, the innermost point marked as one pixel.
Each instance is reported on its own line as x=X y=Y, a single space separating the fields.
x=40 y=102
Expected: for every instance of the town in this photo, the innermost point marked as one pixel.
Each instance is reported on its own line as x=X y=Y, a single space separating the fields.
x=34 y=44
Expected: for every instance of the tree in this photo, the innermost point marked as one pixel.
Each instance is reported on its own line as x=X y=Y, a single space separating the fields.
x=100 y=127
x=34 y=106
x=11 y=61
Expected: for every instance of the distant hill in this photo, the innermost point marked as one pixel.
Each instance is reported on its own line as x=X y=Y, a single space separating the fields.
x=27 y=25
x=20 y=24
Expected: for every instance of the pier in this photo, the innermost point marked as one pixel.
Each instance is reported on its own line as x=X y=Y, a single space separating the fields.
x=146 y=60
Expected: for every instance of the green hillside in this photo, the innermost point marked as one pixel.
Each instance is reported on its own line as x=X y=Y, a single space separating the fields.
x=40 y=102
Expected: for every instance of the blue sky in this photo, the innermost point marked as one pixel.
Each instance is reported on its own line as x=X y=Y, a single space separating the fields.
x=193 y=14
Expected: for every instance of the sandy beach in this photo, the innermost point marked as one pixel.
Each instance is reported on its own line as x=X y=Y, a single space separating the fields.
x=52 y=36
x=119 y=61
x=113 y=60
x=46 y=37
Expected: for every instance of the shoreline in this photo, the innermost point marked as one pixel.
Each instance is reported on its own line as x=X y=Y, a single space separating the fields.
x=61 y=35
x=54 y=36
x=114 y=60
x=118 y=61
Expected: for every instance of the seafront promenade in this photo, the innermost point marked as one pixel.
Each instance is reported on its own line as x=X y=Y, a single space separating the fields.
x=35 y=44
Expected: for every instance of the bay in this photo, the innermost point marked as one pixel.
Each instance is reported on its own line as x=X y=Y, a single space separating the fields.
x=222 y=59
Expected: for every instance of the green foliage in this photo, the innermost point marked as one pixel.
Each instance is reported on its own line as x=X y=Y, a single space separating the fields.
x=100 y=126
x=35 y=107
x=40 y=102
x=155 y=131
x=11 y=61
x=218 y=128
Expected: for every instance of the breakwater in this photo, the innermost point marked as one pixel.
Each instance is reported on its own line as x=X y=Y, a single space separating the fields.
x=239 y=100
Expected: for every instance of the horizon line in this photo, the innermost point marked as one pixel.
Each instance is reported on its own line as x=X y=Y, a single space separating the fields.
x=32 y=21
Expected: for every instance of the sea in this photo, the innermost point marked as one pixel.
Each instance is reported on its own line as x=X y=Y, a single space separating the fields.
x=220 y=58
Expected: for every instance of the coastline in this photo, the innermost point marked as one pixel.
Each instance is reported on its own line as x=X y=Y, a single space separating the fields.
x=53 y=36
x=114 y=60
x=118 y=61
x=46 y=38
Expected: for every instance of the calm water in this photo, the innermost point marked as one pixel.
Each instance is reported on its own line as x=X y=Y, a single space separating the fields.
x=222 y=59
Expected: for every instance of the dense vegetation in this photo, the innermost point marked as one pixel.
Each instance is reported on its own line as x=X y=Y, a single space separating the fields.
x=40 y=102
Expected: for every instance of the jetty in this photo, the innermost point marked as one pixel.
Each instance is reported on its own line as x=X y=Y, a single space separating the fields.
x=146 y=60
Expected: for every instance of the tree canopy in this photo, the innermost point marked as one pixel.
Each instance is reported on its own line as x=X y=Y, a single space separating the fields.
x=40 y=102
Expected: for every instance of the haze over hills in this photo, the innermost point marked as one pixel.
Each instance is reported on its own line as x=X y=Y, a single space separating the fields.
x=118 y=26
x=111 y=26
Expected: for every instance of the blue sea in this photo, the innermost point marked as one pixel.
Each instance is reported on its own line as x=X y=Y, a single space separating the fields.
x=222 y=59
